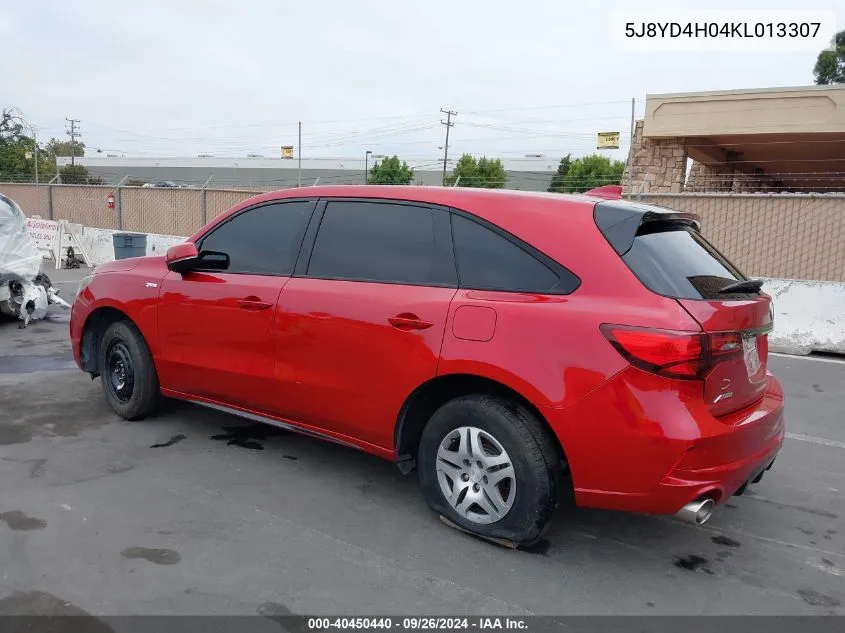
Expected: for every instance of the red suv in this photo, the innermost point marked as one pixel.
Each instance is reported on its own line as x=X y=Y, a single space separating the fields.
x=518 y=350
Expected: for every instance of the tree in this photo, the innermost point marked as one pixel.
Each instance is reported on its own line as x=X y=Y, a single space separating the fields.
x=592 y=171
x=65 y=148
x=390 y=172
x=74 y=175
x=16 y=148
x=559 y=179
x=483 y=172
x=830 y=65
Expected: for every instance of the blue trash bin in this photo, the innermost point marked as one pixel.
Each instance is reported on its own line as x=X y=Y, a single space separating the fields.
x=129 y=245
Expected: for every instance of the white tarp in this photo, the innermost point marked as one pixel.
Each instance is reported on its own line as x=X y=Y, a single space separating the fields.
x=24 y=291
x=20 y=258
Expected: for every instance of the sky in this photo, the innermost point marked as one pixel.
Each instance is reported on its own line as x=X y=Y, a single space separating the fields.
x=229 y=78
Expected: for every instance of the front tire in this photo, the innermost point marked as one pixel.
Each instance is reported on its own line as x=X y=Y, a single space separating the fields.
x=128 y=374
x=490 y=467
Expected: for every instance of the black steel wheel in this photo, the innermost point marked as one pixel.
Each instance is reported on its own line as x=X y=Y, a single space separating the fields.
x=130 y=381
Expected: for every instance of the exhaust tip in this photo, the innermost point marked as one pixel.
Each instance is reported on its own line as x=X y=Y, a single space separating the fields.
x=697 y=512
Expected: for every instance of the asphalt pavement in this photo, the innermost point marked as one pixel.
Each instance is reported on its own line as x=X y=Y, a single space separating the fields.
x=198 y=512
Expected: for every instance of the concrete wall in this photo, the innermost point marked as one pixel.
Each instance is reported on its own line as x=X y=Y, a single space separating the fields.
x=801 y=109
x=99 y=244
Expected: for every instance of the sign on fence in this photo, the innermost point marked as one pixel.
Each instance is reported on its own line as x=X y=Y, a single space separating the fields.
x=45 y=233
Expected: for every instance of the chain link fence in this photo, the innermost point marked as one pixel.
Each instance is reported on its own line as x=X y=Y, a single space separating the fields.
x=785 y=236
x=780 y=235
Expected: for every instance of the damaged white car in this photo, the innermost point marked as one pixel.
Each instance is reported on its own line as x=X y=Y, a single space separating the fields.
x=25 y=292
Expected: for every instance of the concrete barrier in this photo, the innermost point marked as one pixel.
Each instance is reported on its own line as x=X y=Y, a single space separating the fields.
x=809 y=316
x=99 y=244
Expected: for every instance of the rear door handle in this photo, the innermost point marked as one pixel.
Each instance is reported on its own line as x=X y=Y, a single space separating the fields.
x=407 y=322
x=254 y=304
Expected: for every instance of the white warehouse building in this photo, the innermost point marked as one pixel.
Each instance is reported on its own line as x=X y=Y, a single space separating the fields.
x=530 y=173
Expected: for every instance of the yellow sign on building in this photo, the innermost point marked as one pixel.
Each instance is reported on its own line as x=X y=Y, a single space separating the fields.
x=608 y=140
x=287 y=151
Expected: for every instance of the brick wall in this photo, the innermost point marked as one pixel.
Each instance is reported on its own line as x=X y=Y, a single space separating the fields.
x=655 y=165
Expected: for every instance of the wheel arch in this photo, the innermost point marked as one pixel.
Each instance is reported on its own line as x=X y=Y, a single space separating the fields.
x=431 y=395
x=92 y=333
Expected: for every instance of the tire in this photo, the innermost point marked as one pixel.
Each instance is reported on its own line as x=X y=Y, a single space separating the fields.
x=526 y=445
x=123 y=346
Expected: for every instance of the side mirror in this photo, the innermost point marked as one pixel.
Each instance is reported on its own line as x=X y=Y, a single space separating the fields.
x=183 y=258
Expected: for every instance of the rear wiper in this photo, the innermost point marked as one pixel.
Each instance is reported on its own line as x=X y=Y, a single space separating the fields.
x=747 y=285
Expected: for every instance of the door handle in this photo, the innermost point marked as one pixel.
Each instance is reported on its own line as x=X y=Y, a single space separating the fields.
x=407 y=322
x=254 y=304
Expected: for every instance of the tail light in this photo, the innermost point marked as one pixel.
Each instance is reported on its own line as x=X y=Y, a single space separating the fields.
x=687 y=355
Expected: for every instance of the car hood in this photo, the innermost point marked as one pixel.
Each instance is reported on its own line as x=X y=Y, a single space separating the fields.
x=123 y=265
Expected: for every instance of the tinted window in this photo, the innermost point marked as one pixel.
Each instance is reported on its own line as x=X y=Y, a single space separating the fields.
x=678 y=262
x=488 y=261
x=372 y=241
x=264 y=240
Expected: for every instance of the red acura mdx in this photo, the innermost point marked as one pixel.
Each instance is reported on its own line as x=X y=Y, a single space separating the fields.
x=518 y=350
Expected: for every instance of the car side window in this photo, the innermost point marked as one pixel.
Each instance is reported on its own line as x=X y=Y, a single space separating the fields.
x=489 y=261
x=375 y=241
x=264 y=240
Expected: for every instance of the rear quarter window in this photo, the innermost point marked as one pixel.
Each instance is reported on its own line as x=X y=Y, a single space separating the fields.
x=487 y=260
x=676 y=261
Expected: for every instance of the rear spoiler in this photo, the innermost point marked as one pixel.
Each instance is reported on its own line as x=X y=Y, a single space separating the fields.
x=621 y=222
x=608 y=192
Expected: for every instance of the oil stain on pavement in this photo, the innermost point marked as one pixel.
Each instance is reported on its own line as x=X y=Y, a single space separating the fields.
x=173 y=440
x=816 y=599
x=18 y=521
x=724 y=540
x=248 y=436
x=693 y=562
x=158 y=555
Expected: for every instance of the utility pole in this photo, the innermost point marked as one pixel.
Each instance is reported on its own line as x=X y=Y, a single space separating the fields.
x=72 y=133
x=631 y=149
x=35 y=143
x=448 y=123
x=299 y=153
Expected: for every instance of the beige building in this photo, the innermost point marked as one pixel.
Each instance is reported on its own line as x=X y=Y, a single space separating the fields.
x=774 y=139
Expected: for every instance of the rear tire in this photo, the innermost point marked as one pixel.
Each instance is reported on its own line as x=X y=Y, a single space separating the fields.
x=462 y=486
x=128 y=374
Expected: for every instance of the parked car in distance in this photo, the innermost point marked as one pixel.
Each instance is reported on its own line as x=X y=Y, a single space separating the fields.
x=162 y=183
x=518 y=350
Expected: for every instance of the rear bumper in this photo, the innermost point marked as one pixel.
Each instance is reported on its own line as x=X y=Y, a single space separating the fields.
x=636 y=448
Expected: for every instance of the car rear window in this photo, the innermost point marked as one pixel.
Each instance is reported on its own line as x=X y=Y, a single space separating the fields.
x=676 y=261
